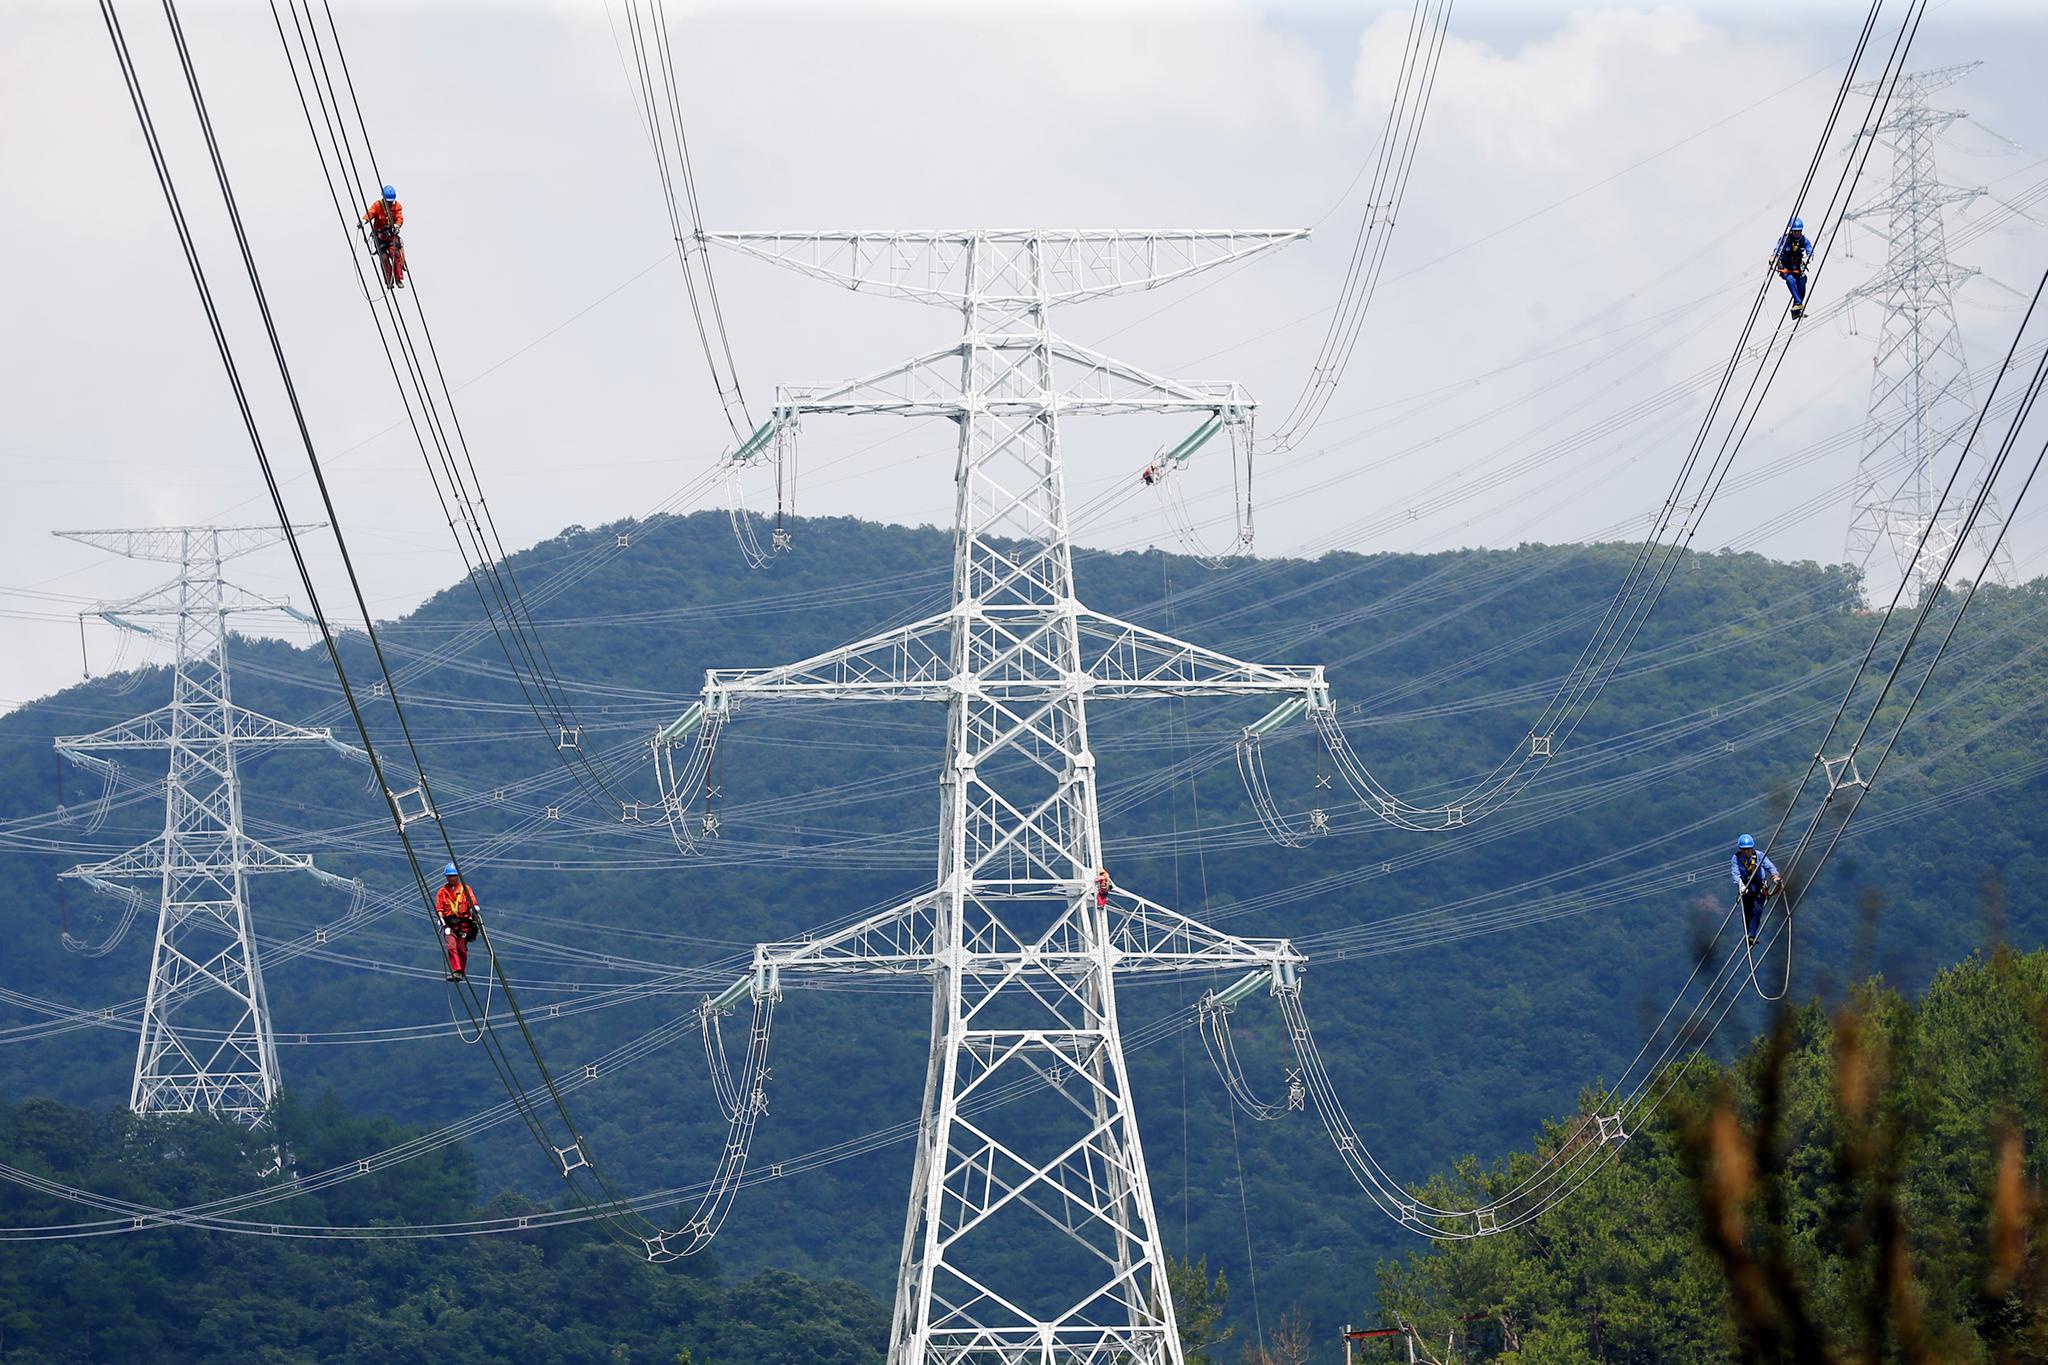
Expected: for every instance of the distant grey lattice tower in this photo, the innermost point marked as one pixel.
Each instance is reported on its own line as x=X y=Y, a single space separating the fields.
x=206 y=1041
x=1922 y=402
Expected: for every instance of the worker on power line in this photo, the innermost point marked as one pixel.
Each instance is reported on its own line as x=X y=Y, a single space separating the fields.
x=1102 y=888
x=1790 y=260
x=456 y=904
x=385 y=217
x=1756 y=878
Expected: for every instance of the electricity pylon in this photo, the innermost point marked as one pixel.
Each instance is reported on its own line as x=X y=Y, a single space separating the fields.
x=1031 y=1233
x=1922 y=403
x=206 y=1038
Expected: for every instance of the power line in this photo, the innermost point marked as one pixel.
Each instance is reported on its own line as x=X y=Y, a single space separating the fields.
x=574 y=1156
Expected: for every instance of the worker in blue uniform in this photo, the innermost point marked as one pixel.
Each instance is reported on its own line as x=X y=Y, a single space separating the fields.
x=1756 y=878
x=1790 y=260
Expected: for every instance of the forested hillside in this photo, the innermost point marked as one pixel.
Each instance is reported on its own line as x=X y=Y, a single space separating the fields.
x=1465 y=987
x=559 y=1297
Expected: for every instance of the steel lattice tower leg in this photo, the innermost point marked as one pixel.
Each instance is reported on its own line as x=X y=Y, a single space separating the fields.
x=206 y=1044
x=1922 y=401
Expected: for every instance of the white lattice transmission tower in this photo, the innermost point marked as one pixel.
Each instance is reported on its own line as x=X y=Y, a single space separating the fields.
x=1922 y=401
x=1031 y=1233
x=206 y=1044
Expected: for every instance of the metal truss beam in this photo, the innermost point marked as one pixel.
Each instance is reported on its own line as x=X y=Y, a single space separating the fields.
x=177 y=544
x=168 y=601
x=1017 y=658
x=153 y=730
x=903 y=940
x=1084 y=383
x=1027 y=265
x=212 y=855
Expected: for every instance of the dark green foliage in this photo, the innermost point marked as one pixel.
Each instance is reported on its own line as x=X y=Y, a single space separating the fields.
x=1840 y=1175
x=565 y=1295
x=1199 y=1302
x=1468 y=1043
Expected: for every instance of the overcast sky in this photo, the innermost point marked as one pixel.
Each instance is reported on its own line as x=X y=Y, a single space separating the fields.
x=1595 y=192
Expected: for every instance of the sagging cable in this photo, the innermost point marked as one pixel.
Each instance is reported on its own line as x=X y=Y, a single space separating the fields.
x=1586 y=1147
x=1221 y=1046
x=749 y=1100
x=128 y=898
x=682 y=784
x=109 y=773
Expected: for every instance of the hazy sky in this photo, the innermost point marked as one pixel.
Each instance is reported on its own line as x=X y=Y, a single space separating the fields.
x=1595 y=192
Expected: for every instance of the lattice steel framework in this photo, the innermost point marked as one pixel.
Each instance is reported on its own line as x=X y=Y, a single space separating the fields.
x=1029 y=1148
x=206 y=1039
x=1922 y=403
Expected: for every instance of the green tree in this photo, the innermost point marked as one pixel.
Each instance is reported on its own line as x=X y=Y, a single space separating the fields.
x=1198 y=1304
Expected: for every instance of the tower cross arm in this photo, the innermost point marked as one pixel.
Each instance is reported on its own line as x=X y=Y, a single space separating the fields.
x=169 y=599
x=905 y=940
x=1057 y=265
x=219 y=857
x=1013 y=657
x=909 y=663
x=1123 y=659
x=179 y=544
x=144 y=860
x=1918 y=199
x=150 y=730
x=902 y=940
x=1083 y=383
x=1148 y=937
x=1925 y=82
x=1098 y=385
x=153 y=730
x=1901 y=284
x=926 y=385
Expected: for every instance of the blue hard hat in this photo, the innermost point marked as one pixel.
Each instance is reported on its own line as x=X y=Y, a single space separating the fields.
x=1746 y=841
x=449 y=871
x=1798 y=224
x=390 y=193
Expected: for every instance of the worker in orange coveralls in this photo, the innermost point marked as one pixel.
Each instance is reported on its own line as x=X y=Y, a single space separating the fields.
x=456 y=905
x=385 y=217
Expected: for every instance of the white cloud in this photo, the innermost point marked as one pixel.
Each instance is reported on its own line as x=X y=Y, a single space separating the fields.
x=1192 y=70
x=531 y=195
x=1607 y=78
